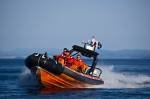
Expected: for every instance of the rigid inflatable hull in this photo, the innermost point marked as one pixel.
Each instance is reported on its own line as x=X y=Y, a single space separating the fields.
x=50 y=80
x=52 y=74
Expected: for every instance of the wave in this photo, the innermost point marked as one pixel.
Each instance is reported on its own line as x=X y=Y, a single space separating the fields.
x=114 y=79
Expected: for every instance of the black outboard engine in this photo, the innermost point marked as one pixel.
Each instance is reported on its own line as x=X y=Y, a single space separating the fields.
x=34 y=60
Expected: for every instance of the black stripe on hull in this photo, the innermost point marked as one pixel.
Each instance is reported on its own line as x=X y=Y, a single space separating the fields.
x=83 y=77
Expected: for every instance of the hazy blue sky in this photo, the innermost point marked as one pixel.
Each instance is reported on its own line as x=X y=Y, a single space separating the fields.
x=118 y=24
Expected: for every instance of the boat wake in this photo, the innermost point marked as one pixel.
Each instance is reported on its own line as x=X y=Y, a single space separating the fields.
x=114 y=79
x=111 y=79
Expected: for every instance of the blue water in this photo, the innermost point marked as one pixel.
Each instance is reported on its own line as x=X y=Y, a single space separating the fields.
x=123 y=79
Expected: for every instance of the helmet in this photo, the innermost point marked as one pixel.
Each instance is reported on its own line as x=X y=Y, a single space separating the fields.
x=65 y=49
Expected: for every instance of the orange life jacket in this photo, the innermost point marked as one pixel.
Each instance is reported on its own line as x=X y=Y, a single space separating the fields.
x=69 y=61
x=59 y=58
x=79 y=65
x=64 y=60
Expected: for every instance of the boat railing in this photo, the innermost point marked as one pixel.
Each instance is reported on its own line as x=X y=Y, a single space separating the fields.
x=97 y=71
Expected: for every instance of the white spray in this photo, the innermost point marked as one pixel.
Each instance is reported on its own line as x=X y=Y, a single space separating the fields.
x=114 y=79
x=27 y=79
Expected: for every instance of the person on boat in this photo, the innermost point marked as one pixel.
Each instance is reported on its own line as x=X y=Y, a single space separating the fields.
x=68 y=59
x=94 y=43
x=79 y=65
x=60 y=58
x=65 y=58
x=60 y=55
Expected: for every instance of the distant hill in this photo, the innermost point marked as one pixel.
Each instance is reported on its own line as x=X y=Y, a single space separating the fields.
x=125 y=54
x=22 y=53
x=104 y=54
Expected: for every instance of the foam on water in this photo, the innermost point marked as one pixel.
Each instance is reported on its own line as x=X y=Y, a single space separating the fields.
x=27 y=79
x=114 y=79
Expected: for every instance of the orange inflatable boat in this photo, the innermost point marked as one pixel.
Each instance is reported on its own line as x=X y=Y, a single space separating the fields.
x=52 y=74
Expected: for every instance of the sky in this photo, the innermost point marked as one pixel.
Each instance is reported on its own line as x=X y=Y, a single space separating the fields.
x=117 y=24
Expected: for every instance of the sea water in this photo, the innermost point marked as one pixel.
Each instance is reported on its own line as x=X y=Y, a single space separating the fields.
x=124 y=78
